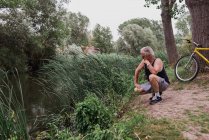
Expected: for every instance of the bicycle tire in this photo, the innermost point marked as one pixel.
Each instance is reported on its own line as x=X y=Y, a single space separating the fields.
x=186 y=68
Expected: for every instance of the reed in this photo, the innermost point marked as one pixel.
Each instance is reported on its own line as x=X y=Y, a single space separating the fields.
x=71 y=78
x=13 y=123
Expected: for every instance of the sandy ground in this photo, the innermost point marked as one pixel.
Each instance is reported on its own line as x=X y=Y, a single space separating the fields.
x=177 y=100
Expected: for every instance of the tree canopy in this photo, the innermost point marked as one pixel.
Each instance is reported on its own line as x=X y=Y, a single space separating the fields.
x=102 y=38
x=33 y=28
x=135 y=37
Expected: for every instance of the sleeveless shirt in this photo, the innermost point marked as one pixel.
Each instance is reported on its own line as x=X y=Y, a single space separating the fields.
x=161 y=74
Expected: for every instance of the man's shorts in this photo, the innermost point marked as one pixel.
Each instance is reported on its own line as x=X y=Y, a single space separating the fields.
x=163 y=85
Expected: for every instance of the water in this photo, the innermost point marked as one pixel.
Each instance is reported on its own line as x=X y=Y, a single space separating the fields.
x=36 y=103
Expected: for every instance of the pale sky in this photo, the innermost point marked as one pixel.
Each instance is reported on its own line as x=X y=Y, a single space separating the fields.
x=111 y=13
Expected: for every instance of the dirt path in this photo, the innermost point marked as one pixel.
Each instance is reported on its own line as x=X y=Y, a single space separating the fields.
x=177 y=101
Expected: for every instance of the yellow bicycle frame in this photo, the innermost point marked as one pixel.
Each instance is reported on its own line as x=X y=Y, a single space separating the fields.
x=202 y=56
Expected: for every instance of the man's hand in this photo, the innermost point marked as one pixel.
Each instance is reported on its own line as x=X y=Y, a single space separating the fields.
x=147 y=62
x=138 y=88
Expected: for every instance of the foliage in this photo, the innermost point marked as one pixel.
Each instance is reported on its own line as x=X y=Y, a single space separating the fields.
x=176 y=7
x=122 y=47
x=11 y=4
x=99 y=134
x=183 y=26
x=119 y=131
x=92 y=112
x=77 y=24
x=69 y=50
x=32 y=31
x=154 y=25
x=60 y=126
x=137 y=37
x=141 y=126
x=16 y=59
x=185 y=48
x=154 y=28
x=13 y=37
x=46 y=21
x=132 y=126
x=102 y=38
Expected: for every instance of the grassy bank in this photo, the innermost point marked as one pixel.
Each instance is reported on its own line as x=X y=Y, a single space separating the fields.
x=87 y=92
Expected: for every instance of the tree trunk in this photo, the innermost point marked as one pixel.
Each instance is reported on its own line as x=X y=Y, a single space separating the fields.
x=199 y=10
x=168 y=33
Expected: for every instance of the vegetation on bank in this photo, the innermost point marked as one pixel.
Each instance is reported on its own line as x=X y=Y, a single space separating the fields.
x=89 y=91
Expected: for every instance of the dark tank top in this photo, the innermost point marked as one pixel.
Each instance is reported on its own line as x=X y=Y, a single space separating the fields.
x=161 y=74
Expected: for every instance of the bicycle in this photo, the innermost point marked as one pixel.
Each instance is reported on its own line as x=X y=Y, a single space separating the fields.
x=187 y=67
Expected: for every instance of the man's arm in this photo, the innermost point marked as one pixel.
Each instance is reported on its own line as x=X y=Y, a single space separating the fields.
x=136 y=75
x=158 y=66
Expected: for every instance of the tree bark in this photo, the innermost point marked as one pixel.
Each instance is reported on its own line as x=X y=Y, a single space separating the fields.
x=168 y=32
x=199 y=10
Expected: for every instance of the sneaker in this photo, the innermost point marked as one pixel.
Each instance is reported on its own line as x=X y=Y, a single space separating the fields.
x=159 y=98
x=152 y=102
x=153 y=94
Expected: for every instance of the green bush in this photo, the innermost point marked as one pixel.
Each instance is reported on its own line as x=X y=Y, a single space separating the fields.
x=92 y=112
x=119 y=131
x=99 y=134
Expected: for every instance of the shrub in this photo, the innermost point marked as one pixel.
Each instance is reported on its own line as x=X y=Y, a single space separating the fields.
x=99 y=134
x=92 y=112
x=119 y=131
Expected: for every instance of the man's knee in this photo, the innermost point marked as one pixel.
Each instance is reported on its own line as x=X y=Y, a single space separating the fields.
x=152 y=77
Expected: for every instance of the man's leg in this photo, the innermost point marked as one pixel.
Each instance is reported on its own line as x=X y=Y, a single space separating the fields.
x=153 y=94
x=154 y=81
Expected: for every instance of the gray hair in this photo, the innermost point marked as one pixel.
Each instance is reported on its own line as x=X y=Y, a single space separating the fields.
x=148 y=51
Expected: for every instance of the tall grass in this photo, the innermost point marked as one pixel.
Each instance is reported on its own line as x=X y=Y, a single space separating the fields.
x=13 y=124
x=71 y=78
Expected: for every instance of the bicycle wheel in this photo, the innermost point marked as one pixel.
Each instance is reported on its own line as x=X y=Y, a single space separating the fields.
x=186 y=68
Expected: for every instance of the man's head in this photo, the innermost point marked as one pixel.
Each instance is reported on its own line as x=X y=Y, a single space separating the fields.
x=147 y=52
